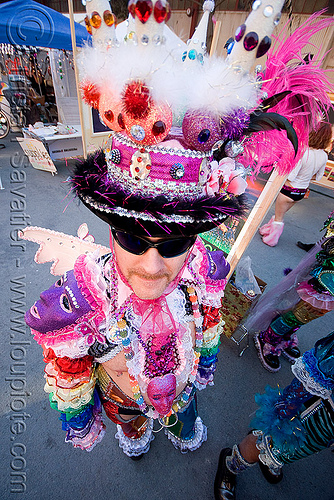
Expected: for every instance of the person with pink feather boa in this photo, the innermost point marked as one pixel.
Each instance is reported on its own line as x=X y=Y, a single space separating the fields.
x=310 y=166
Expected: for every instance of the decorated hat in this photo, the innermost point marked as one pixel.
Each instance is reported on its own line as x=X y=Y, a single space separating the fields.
x=181 y=122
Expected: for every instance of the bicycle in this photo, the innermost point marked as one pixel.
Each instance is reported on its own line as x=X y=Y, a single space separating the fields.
x=4 y=120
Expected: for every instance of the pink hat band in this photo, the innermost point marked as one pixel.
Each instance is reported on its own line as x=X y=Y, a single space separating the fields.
x=155 y=170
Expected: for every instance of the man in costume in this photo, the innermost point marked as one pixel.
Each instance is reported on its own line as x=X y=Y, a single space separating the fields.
x=136 y=328
x=290 y=424
x=304 y=295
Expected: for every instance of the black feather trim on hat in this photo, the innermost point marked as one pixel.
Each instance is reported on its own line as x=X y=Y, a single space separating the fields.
x=142 y=214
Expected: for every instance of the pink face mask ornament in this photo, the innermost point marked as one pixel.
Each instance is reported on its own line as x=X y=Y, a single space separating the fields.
x=161 y=392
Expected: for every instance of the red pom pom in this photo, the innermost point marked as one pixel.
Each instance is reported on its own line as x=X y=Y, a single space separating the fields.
x=90 y=94
x=137 y=100
x=69 y=365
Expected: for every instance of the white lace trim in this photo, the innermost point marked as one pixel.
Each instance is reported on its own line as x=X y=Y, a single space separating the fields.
x=263 y=444
x=299 y=370
x=190 y=444
x=135 y=447
x=72 y=349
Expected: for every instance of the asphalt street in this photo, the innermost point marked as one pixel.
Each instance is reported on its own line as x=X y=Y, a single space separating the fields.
x=36 y=463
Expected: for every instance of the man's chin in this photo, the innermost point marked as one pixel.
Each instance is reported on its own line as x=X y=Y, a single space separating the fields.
x=149 y=289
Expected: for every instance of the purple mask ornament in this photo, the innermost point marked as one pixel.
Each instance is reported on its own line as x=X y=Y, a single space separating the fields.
x=219 y=267
x=161 y=392
x=59 y=306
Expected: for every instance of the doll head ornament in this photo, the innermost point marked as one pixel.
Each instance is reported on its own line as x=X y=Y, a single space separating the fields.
x=59 y=306
x=71 y=309
x=182 y=123
x=161 y=392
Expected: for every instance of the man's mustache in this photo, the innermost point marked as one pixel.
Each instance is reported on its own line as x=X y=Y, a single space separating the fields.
x=147 y=276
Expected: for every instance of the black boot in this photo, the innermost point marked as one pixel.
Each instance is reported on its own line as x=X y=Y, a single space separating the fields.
x=291 y=353
x=225 y=481
x=269 y=476
x=305 y=246
x=270 y=362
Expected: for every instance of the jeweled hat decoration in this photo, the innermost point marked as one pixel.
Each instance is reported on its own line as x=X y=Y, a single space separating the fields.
x=177 y=119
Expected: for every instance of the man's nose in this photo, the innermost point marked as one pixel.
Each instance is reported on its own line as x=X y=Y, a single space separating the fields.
x=152 y=261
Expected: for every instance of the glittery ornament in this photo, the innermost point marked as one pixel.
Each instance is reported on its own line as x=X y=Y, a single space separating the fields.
x=168 y=12
x=132 y=8
x=108 y=18
x=177 y=171
x=120 y=121
x=115 y=156
x=90 y=94
x=256 y=4
x=109 y=108
x=161 y=392
x=251 y=40
x=151 y=129
x=95 y=20
x=277 y=19
x=232 y=125
x=88 y=25
x=204 y=172
x=160 y=11
x=109 y=115
x=201 y=130
x=240 y=32
x=136 y=100
x=268 y=11
x=263 y=47
x=156 y=39
x=132 y=37
x=233 y=148
x=143 y=10
x=137 y=132
x=158 y=128
x=192 y=54
x=140 y=165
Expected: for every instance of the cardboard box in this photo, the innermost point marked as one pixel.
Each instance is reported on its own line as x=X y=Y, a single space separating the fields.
x=65 y=148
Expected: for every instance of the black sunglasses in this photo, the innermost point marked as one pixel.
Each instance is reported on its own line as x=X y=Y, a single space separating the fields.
x=166 y=248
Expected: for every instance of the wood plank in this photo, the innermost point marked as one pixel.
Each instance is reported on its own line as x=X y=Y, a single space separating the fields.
x=261 y=207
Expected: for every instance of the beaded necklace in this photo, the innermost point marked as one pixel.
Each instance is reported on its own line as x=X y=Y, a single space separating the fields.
x=124 y=333
x=166 y=358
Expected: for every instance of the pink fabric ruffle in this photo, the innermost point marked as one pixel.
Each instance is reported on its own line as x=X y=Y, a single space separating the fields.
x=90 y=280
x=318 y=300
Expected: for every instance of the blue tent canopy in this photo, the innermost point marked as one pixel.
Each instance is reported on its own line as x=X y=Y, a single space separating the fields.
x=25 y=22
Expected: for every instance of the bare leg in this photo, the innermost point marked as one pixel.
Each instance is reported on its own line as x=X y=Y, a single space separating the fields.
x=248 y=448
x=282 y=205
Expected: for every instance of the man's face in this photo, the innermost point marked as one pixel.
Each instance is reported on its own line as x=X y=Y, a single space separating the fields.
x=59 y=306
x=148 y=274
